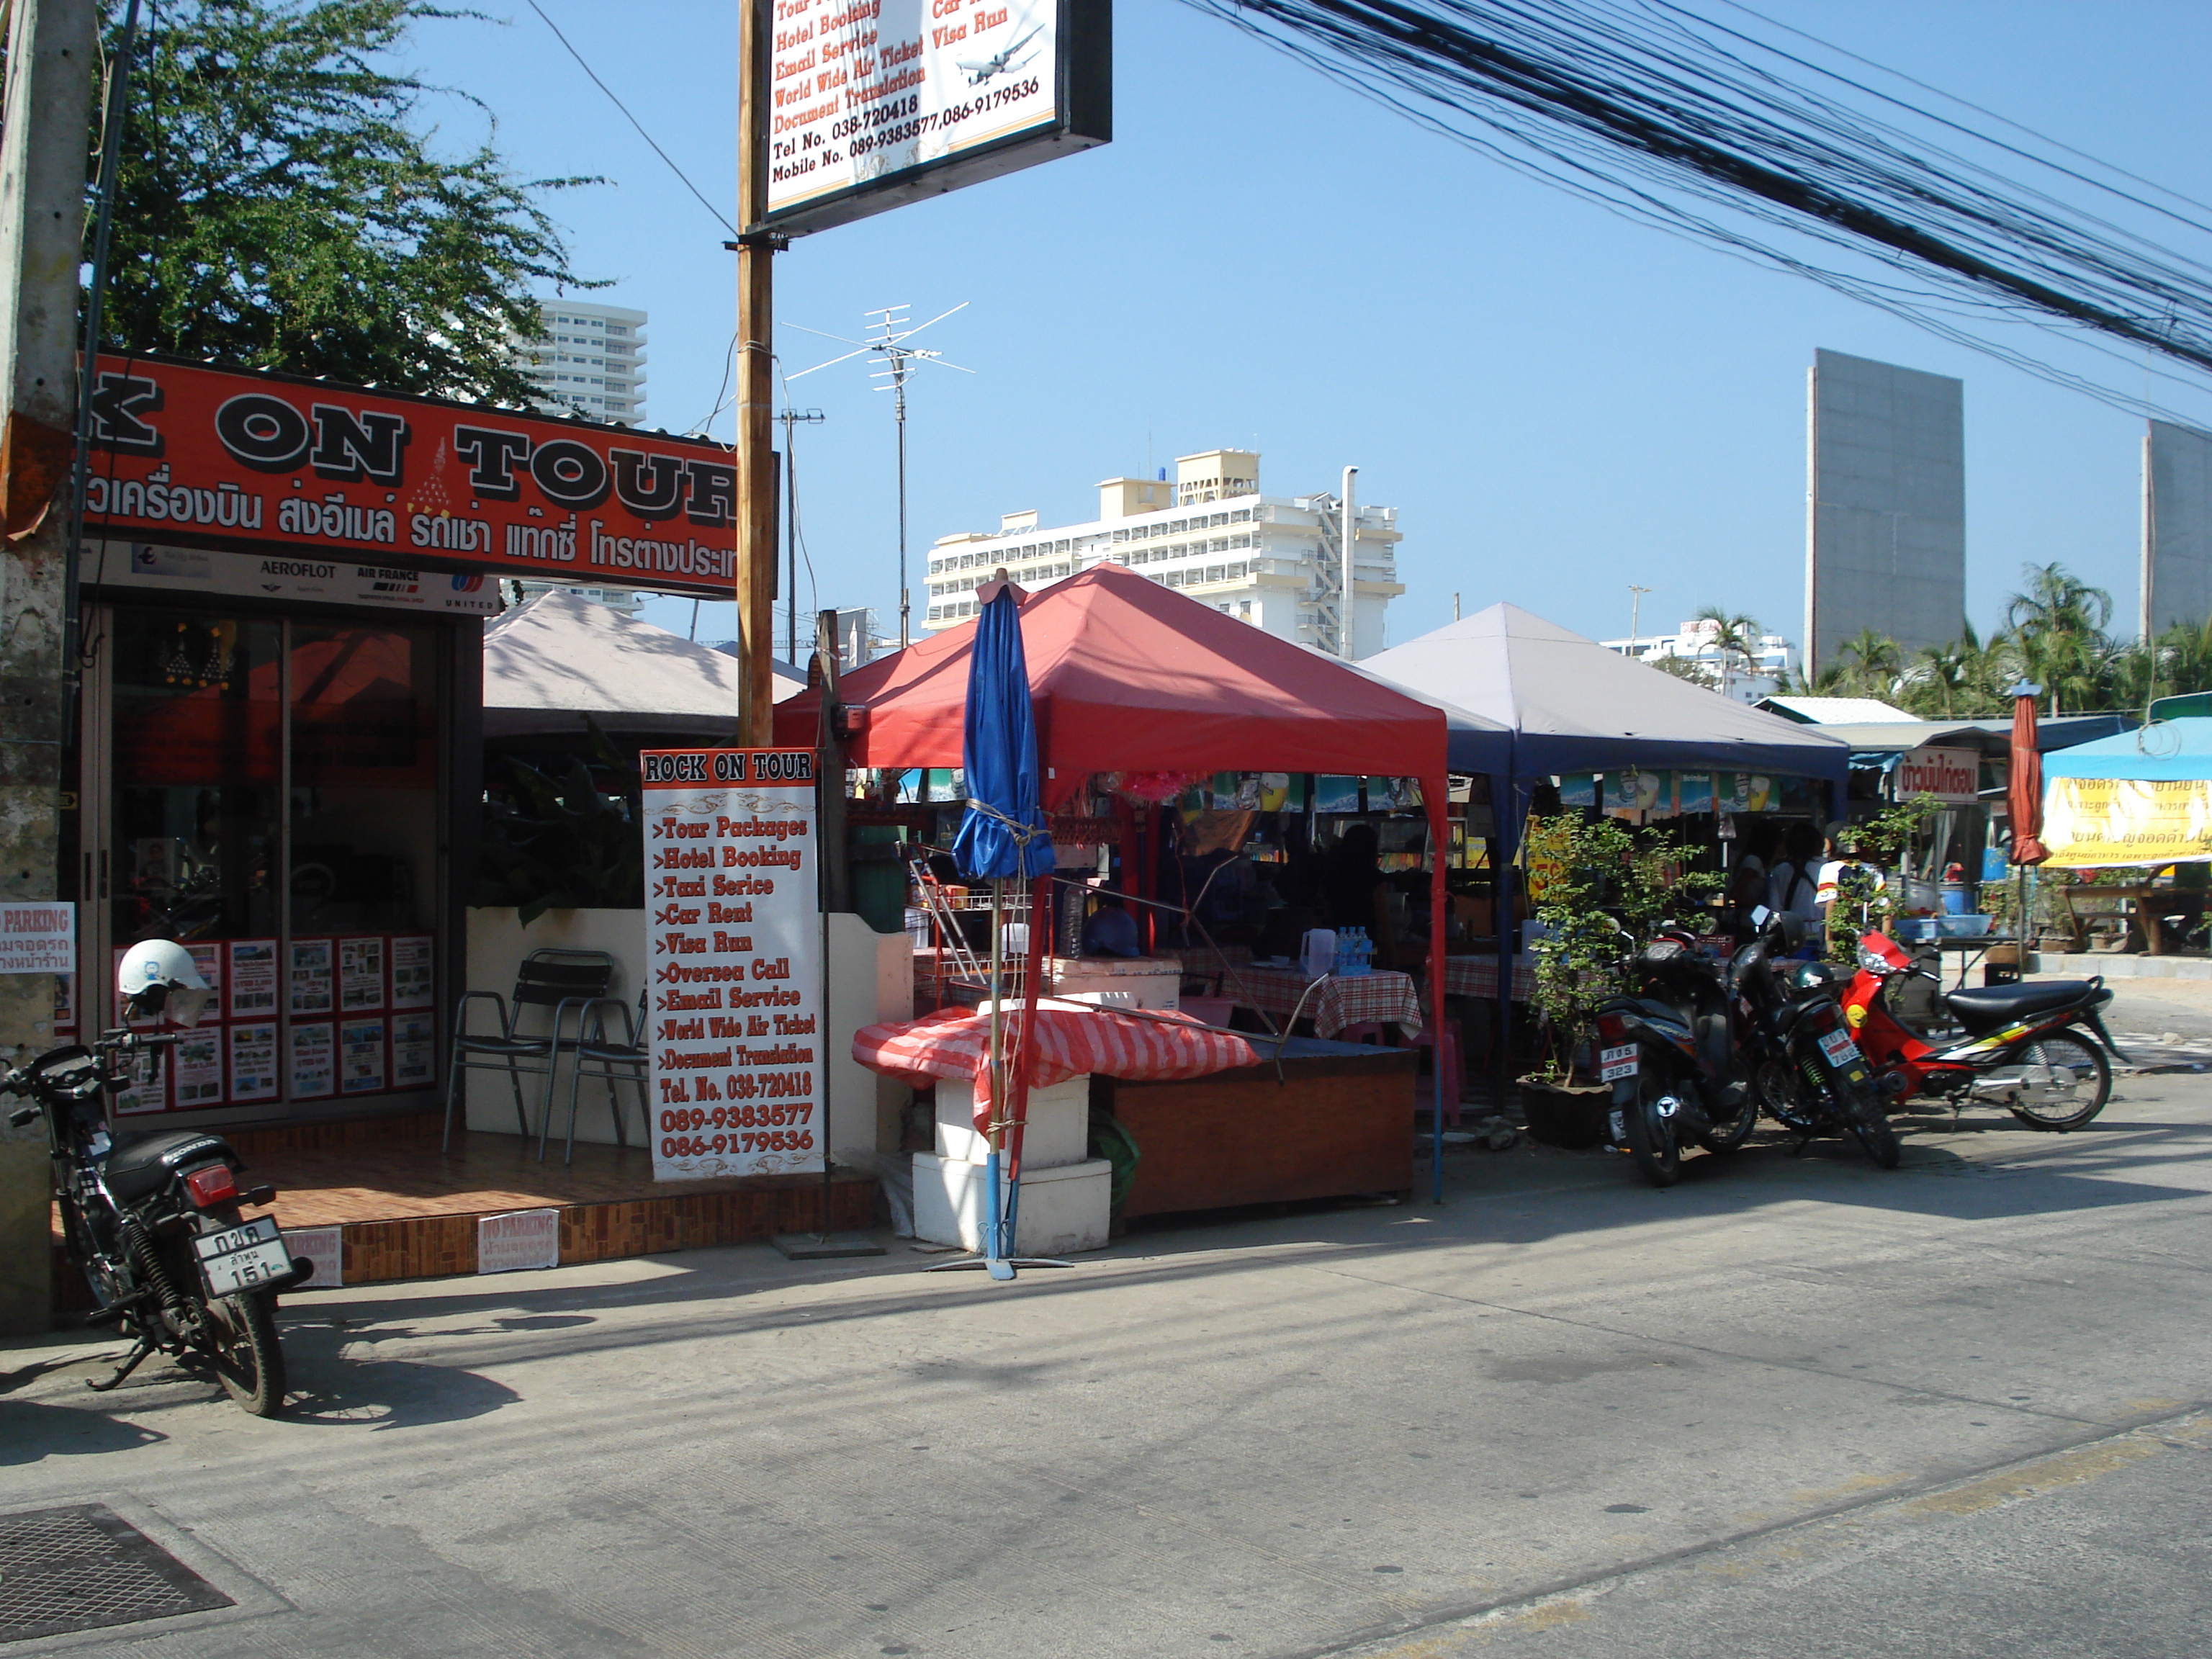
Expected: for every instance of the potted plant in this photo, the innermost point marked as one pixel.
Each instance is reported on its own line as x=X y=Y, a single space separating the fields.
x=1607 y=889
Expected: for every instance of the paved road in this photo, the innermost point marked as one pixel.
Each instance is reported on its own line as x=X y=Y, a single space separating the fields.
x=1790 y=1406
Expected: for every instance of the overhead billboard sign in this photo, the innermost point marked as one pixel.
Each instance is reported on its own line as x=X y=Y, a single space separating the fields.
x=182 y=452
x=870 y=104
x=1952 y=776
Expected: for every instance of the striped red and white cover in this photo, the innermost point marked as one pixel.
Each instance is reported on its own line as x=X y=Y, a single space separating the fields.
x=1071 y=1039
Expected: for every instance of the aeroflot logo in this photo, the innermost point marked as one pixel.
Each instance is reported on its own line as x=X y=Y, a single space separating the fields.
x=268 y=433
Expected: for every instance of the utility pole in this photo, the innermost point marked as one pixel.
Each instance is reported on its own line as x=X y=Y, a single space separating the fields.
x=1635 y=610
x=757 y=248
x=51 y=45
x=792 y=417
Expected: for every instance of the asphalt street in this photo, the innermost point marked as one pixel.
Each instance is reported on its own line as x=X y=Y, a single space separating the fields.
x=1793 y=1405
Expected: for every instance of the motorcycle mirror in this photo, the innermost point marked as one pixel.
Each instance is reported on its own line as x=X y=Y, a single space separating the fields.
x=1760 y=915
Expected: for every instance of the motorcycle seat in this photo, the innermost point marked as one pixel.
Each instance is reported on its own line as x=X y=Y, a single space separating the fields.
x=1993 y=1005
x=140 y=1164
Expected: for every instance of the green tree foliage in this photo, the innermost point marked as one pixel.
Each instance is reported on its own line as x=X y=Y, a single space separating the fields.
x=280 y=205
x=1736 y=636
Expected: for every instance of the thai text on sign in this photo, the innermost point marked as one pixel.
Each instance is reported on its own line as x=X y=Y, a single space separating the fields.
x=1951 y=775
x=733 y=930
x=2099 y=822
x=38 y=938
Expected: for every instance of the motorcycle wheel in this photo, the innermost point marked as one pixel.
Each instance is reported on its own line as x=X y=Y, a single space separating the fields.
x=1870 y=1126
x=1729 y=1133
x=2068 y=1105
x=1780 y=1092
x=248 y=1357
x=1650 y=1137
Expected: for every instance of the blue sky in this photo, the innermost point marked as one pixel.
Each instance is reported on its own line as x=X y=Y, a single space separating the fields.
x=1559 y=403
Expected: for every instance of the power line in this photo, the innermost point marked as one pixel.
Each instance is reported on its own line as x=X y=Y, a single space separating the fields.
x=632 y=119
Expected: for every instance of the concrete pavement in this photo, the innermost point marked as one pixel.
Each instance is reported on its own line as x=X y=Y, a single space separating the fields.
x=1792 y=1401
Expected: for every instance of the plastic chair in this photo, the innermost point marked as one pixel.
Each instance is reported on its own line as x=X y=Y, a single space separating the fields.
x=555 y=979
x=1445 y=1054
x=629 y=1058
x=1368 y=1031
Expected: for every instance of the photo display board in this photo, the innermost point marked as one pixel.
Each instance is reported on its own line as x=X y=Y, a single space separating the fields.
x=734 y=933
x=870 y=104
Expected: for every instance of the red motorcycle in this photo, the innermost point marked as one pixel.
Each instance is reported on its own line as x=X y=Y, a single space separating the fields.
x=2028 y=1048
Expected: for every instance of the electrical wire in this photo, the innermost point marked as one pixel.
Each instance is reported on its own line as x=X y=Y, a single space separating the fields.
x=632 y=119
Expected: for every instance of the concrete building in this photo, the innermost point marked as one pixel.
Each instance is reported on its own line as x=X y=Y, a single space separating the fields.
x=591 y=360
x=1272 y=561
x=1772 y=662
x=1886 y=506
x=2177 y=528
x=627 y=600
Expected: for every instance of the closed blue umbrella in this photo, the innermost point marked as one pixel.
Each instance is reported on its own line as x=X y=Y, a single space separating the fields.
x=1003 y=834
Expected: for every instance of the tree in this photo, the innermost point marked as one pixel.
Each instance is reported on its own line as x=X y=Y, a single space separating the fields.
x=2059 y=626
x=1736 y=637
x=1683 y=668
x=278 y=206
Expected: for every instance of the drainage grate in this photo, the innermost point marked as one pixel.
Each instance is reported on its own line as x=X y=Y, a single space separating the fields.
x=84 y=1567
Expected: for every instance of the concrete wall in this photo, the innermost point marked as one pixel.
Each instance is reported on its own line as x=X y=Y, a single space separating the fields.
x=871 y=979
x=2176 y=551
x=1886 y=506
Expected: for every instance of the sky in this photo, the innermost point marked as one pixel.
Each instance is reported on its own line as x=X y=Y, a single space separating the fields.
x=1559 y=403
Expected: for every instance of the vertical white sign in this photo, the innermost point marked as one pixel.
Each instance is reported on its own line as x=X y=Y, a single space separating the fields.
x=733 y=932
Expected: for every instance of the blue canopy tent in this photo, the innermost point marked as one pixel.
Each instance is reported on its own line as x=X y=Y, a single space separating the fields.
x=1567 y=704
x=2165 y=751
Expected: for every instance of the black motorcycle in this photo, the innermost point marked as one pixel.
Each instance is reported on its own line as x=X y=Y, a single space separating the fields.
x=1798 y=1048
x=1670 y=1054
x=153 y=1222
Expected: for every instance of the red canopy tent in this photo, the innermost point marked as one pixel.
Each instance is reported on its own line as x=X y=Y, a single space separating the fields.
x=1128 y=676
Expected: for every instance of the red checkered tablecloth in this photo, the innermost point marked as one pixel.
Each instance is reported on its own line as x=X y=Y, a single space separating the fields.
x=1340 y=1001
x=1477 y=977
x=1071 y=1039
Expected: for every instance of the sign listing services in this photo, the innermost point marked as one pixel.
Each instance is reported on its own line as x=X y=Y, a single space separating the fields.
x=734 y=1019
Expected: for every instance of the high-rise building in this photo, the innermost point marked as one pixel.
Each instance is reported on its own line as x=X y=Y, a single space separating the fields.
x=2177 y=528
x=590 y=359
x=1274 y=560
x=1886 y=531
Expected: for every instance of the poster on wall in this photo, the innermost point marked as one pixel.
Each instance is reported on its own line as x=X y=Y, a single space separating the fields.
x=65 y=1002
x=249 y=975
x=414 y=1051
x=314 y=1060
x=207 y=961
x=360 y=973
x=313 y=973
x=196 y=1069
x=252 y=1062
x=733 y=942
x=360 y=1056
x=412 y=958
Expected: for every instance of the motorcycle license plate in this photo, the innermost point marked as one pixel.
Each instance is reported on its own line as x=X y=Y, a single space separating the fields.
x=240 y=1258
x=1840 y=1049
x=1615 y=1064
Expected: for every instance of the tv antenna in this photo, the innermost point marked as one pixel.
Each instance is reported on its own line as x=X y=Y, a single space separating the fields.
x=792 y=417
x=886 y=347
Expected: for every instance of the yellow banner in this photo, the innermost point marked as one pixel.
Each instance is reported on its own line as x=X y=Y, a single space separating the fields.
x=2090 y=823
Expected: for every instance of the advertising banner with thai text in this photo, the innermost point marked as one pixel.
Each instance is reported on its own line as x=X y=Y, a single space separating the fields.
x=2095 y=823
x=224 y=458
x=733 y=935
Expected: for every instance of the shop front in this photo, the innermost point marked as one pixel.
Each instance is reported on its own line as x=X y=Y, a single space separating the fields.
x=278 y=755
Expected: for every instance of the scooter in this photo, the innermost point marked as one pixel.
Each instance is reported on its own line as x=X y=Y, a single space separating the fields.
x=1810 y=1076
x=153 y=1221
x=2028 y=1048
x=1670 y=1054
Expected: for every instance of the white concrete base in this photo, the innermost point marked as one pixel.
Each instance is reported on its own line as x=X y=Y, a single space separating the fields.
x=1062 y=1210
x=2081 y=965
x=1057 y=1124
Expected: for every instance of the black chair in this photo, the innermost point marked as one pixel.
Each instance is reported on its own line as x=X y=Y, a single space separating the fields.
x=556 y=978
x=630 y=1058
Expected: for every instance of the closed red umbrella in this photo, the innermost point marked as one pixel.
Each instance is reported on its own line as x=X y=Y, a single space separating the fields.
x=2024 y=795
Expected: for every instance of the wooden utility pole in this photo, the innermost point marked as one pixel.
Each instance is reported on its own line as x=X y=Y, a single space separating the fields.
x=51 y=46
x=756 y=250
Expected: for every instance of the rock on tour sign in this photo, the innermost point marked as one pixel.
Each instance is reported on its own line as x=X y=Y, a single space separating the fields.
x=733 y=1016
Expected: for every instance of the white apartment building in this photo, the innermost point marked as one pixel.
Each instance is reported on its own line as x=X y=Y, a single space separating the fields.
x=591 y=361
x=1772 y=663
x=1275 y=561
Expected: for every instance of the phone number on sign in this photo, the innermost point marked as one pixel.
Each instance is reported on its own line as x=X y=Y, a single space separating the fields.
x=950 y=116
x=680 y=1119
x=767 y=1140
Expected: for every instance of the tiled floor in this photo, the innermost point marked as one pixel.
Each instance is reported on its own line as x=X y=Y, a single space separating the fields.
x=390 y=1180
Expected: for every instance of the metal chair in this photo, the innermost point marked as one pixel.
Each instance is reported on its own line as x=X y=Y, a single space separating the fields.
x=608 y=1060
x=555 y=979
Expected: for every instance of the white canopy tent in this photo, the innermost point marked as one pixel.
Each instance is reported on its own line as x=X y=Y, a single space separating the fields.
x=560 y=657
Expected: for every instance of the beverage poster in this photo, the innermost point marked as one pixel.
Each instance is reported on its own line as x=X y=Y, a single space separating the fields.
x=314 y=1061
x=733 y=941
x=360 y=1056
x=412 y=958
x=360 y=973
x=252 y=1062
x=250 y=976
x=313 y=973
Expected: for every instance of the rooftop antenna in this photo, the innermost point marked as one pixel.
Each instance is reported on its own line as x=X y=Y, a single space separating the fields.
x=792 y=417
x=886 y=347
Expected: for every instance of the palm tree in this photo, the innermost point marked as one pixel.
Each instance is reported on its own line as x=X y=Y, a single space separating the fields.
x=1735 y=636
x=1871 y=663
x=2059 y=624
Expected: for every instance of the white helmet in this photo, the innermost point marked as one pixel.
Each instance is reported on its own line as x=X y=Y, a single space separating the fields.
x=158 y=975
